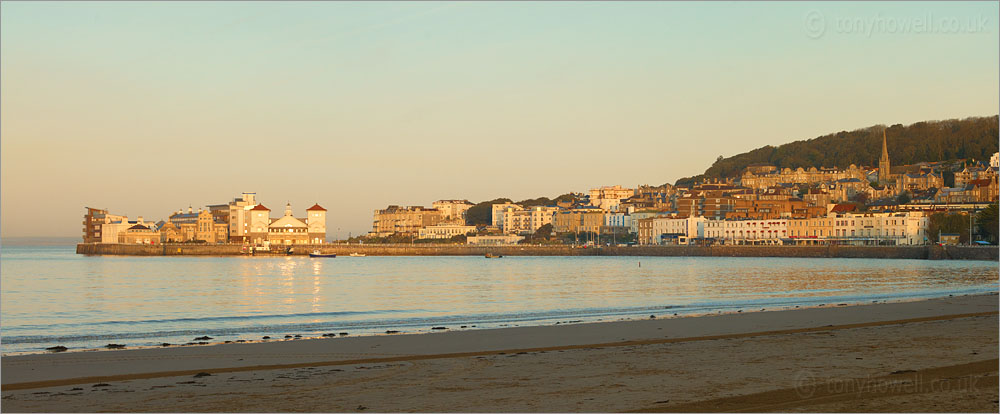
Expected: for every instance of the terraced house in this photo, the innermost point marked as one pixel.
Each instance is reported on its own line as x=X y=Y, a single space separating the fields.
x=404 y=220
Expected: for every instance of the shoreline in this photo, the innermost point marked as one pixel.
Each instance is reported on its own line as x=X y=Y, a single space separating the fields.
x=575 y=335
x=751 y=361
x=662 y=312
x=379 y=360
x=929 y=252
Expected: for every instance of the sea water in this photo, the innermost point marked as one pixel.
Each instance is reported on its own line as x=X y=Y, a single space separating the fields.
x=52 y=296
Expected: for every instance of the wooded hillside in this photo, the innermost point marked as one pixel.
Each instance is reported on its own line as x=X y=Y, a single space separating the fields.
x=974 y=138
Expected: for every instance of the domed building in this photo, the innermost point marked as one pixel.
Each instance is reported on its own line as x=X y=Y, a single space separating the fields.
x=289 y=230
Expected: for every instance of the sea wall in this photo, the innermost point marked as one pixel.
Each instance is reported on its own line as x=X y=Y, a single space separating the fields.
x=962 y=253
x=160 y=249
x=871 y=252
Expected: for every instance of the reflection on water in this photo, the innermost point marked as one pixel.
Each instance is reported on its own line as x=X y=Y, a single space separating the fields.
x=50 y=294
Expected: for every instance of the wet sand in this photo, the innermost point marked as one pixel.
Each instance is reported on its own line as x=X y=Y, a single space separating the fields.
x=934 y=355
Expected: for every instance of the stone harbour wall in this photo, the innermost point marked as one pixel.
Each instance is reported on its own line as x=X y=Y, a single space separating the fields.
x=868 y=252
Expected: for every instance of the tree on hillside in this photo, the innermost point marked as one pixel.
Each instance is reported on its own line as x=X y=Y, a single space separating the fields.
x=566 y=198
x=948 y=223
x=987 y=224
x=482 y=214
x=949 y=178
x=922 y=141
x=536 y=202
x=903 y=197
x=688 y=181
x=543 y=233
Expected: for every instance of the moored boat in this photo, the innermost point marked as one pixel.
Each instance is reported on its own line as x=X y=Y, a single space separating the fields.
x=316 y=253
x=357 y=255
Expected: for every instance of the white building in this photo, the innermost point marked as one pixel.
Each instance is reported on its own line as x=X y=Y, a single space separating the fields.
x=901 y=228
x=507 y=239
x=239 y=216
x=769 y=231
x=500 y=209
x=995 y=160
x=288 y=229
x=609 y=198
x=316 y=220
x=115 y=225
x=452 y=210
x=672 y=230
x=445 y=231
x=908 y=228
x=527 y=221
x=635 y=216
x=618 y=219
x=259 y=221
x=914 y=232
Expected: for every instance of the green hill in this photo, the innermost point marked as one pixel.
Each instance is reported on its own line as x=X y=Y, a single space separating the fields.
x=975 y=138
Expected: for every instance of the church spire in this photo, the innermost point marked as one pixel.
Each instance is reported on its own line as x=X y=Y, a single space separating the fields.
x=883 y=162
x=885 y=149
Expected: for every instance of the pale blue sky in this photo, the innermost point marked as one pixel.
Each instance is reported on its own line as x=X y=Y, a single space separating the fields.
x=147 y=107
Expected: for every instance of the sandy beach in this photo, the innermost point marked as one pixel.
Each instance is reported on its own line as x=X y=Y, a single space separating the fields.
x=932 y=355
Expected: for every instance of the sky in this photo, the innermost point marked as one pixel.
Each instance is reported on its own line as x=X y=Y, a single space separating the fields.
x=145 y=108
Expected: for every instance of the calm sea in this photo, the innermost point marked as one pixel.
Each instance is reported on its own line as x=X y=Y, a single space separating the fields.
x=51 y=296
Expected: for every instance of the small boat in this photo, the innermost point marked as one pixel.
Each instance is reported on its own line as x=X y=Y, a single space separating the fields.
x=357 y=255
x=316 y=253
x=493 y=256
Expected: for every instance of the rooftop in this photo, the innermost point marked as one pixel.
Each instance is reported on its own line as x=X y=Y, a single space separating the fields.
x=843 y=208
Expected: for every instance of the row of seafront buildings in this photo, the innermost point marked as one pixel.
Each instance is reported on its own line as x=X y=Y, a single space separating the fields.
x=764 y=205
x=788 y=221
x=242 y=220
x=899 y=228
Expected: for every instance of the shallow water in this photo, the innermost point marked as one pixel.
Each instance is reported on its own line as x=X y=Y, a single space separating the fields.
x=52 y=296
